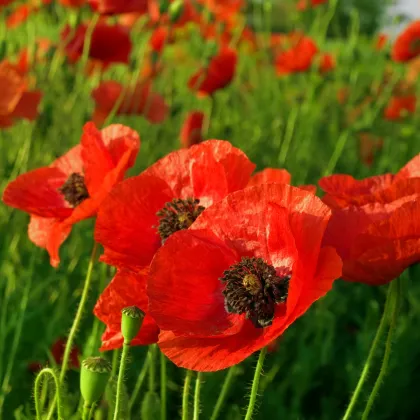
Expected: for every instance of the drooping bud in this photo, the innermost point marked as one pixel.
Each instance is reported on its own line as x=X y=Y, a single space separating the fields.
x=175 y=10
x=131 y=321
x=94 y=377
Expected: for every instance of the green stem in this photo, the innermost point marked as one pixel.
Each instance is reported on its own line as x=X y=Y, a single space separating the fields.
x=123 y=363
x=47 y=371
x=86 y=411
x=379 y=333
x=185 y=394
x=255 y=384
x=197 y=396
x=79 y=314
x=152 y=368
x=139 y=383
x=223 y=393
x=385 y=362
x=163 y=380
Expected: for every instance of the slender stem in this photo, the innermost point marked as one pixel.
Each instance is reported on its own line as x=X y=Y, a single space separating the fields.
x=385 y=362
x=79 y=314
x=223 y=393
x=123 y=363
x=92 y=411
x=186 y=394
x=139 y=383
x=197 y=396
x=255 y=384
x=115 y=358
x=152 y=367
x=86 y=411
x=47 y=371
x=379 y=333
x=163 y=380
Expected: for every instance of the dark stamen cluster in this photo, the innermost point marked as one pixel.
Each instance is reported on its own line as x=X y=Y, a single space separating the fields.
x=74 y=189
x=254 y=288
x=177 y=215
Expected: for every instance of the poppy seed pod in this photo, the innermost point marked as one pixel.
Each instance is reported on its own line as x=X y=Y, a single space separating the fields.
x=94 y=377
x=131 y=321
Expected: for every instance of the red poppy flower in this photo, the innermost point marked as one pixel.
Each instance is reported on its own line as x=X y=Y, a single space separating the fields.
x=72 y=3
x=381 y=42
x=306 y=4
x=127 y=288
x=326 y=63
x=223 y=10
x=57 y=352
x=276 y=176
x=73 y=187
x=399 y=106
x=114 y=7
x=20 y=15
x=218 y=74
x=369 y=145
x=375 y=225
x=109 y=43
x=191 y=129
x=16 y=100
x=165 y=198
x=248 y=267
x=298 y=57
x=138 y=101
x=407 y=44
x=160 y=37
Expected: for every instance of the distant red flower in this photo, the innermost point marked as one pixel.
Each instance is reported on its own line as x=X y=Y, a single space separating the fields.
x=72 y=3
x=399 y=106
x=381 y=42
x=57 y=352
x=327 y=63
x=248 y=267
x=73 y=186
x=223 y=10
x=114 y=7
x=191 y=129
x=160 y=37
x=218 y=74
x=16 y=100
x=127 y=288
x=109 y=43
x=407 y=44
x=368 y=146
x=139 y=100
x=165 y=198
x=375 y=225
x=298 y=57
x=20 y=15
x=306 y=4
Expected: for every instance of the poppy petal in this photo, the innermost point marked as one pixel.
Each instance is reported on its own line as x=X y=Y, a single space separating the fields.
x=270 y=175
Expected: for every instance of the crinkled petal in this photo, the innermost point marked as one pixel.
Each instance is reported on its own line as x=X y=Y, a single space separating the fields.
x=410 y=170
x=270 y=175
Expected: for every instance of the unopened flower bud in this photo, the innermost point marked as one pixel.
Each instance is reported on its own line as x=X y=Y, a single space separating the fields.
x=94 y=377
x=131 y=321
x=176 y=9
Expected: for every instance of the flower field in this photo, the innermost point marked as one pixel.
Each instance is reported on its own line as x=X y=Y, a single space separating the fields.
x=205 y=216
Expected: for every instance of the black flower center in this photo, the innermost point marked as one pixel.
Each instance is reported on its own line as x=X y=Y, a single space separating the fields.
x=177 y=215
x=254 y=288
x=74 y=189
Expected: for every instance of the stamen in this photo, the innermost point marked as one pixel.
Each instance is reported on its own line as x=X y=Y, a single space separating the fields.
x=74 y=190
x=254 y=288
x=177 y=215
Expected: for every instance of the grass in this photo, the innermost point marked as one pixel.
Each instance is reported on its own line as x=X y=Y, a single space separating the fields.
x=292 y=122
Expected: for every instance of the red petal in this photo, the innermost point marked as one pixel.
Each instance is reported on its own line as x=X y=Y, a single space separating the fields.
x=27 y=107
x=12 y=86
x=270 y=175
x=36 y=192
x=131 y=206
x=71 y=162
x=127 y=288
x=410 y=170
x=186 y=297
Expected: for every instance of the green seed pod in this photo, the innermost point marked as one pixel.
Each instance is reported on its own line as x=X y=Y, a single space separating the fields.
x=150 y=407
x=94 y=376
x=131 y=321
x=176 y=9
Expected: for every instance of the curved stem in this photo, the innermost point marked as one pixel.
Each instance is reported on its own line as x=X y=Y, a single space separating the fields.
x=185 y=395
x=223 y=393
x=123 y=363
x=255 y=384
x=163 y=380
x=379 y=333
x=197 y=396
x=139 y=383
x=388 y=345
x=47 y=371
